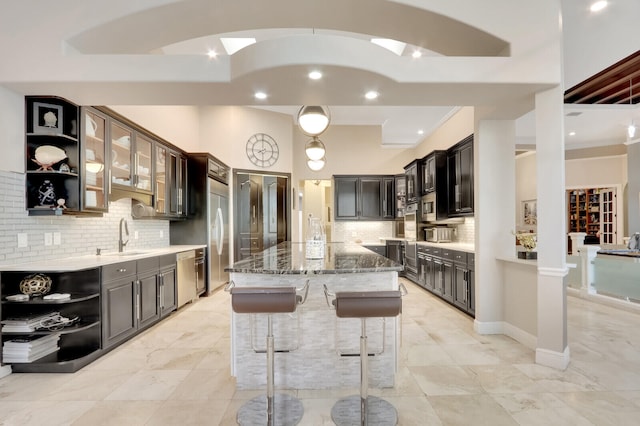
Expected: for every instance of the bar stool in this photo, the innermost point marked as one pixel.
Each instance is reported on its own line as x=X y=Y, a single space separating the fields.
x=364 y=409
x=270 y=409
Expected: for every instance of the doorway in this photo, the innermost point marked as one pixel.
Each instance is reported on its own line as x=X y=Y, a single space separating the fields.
x=261 y=211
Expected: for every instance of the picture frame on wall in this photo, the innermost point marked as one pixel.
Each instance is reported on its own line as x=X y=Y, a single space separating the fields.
x=47 y=118
x=530 y=212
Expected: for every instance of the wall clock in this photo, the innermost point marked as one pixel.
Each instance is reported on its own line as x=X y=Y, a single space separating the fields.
x=262 y=150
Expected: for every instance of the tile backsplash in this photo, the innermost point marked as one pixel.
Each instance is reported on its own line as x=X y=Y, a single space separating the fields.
x=364 y=231
x=78 y=235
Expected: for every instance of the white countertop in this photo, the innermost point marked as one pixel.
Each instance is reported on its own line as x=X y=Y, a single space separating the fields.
x=93 y=261
x=467 y=247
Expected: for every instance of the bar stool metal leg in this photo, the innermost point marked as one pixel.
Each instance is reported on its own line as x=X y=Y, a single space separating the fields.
x=363 y=409
x=270 y=409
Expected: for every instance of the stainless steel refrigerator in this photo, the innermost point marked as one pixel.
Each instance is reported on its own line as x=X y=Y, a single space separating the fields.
x=218 y=211
x=207 y=220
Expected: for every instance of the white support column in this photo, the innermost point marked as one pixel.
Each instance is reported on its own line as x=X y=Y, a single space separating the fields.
x=494 y=208
x=587 y=254
x=577 y=241
x=552 y=349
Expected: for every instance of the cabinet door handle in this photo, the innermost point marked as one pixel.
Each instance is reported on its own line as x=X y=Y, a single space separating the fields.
x=122 y=270
x=138 y=300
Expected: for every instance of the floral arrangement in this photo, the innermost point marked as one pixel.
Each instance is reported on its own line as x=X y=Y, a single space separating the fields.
x=526 y=240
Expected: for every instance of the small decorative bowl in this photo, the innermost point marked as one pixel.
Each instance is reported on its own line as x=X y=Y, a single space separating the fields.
x=35 y=285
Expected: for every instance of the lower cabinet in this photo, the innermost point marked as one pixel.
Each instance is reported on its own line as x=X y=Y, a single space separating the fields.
x=66 y=346
x=135 y=295
x=448 y=274
x=379 y=249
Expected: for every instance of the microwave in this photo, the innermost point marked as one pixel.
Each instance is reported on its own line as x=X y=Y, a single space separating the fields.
x=439 y=234
x=428 y=207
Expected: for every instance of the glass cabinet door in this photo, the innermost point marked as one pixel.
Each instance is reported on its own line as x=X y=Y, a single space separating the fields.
x=94 y=156
x=142 y=163
x=161 y=179
x=121 y=139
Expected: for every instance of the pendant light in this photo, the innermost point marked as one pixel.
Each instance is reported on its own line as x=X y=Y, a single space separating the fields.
x=316 y=165
x=313 y=120
x=631 y=130
x=314 y=149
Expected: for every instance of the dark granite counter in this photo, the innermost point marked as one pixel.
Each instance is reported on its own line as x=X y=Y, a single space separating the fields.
x=340 y=258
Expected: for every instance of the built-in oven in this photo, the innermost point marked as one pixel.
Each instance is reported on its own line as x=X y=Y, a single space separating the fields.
x=411 y=234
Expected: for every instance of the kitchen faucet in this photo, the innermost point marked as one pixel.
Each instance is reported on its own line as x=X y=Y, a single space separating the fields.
x=122 y=243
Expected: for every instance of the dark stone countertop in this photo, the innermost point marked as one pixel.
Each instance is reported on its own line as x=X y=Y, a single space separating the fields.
x=340 y=258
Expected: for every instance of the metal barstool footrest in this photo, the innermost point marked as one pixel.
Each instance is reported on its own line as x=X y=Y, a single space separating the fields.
x=346 y=412
x=287 y=411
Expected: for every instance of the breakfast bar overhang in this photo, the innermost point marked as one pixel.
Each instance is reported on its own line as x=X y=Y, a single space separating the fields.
x=314 y=348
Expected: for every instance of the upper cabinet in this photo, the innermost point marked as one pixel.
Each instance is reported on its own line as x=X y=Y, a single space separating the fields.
x=412 y=174
x=364 y=197
x=94 y=155
x=131 y=164
x=78 y=158
x=434 y=172
x=460 y=178
x=52 y=156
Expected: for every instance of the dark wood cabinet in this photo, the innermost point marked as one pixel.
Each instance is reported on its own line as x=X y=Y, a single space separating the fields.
x=177 y=175
x=364 y=197
x=388 y=197
x=460 y=178
x=135 y=295
x=413 y=178
x=119 y=308
x=379 y=249
x=464 y=288
x=449 y=274
x=52 y=156
x=79 y=342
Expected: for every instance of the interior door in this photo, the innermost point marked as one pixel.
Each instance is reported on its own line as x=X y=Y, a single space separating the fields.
x=608 y=216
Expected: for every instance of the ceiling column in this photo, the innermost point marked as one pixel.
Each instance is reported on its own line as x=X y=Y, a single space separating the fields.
x=552 y=349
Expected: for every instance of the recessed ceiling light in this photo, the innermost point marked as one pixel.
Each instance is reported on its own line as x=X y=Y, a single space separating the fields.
x=371 y=94
x=394 y=46
x=315 y=75
x=260 y=95
x=416 y=54
x=212 y=53
x=572 y=133
x=421 y=132
x=232 y=45
x=599 y=5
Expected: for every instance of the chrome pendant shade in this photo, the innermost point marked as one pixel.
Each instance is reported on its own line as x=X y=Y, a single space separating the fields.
x=313 y=119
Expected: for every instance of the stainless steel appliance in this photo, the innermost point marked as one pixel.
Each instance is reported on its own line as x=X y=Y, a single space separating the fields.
x=186 y=271
x=207 y=220
x=201 y=271
x=411 y=234
x=438 y=234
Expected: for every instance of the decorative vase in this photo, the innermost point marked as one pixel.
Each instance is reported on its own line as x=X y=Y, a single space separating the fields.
x=46 y=194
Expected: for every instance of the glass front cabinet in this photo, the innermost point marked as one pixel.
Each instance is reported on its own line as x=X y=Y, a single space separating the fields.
x=94 y=157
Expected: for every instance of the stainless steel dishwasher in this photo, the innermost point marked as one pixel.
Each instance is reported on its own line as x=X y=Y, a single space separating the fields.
x=186 y=268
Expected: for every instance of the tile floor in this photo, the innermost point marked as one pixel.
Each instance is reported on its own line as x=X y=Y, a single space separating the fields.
x=177 y=373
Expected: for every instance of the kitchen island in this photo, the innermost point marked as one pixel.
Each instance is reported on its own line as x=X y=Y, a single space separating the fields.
x=315 y=349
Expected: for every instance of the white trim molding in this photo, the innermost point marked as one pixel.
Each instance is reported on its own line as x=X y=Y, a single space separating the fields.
x=557 y=360
x=493 y=327
x=5 y=370
x=553 y=272
x=501 y=327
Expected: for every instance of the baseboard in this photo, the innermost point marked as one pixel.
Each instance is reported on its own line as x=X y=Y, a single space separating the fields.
x=494 y=327
x=527 y=339
x=557 y=360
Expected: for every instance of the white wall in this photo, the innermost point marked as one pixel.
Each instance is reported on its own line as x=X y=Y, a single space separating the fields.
x=11 y=131
x=176 y=124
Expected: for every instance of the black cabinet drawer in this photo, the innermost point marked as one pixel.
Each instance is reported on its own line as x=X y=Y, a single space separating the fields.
x=471 y=260
x=167 y=260
x=460 y=257
x=148 y=264
x=118 y=270
x=436 y=252
x=424 y=249
x=447 y=253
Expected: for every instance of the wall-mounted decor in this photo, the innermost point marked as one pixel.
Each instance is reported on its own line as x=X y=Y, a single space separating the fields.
x=530 y=212
x=47 y=118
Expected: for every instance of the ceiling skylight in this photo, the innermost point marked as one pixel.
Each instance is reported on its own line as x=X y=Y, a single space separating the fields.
x=232 y=45
x=394 y=46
